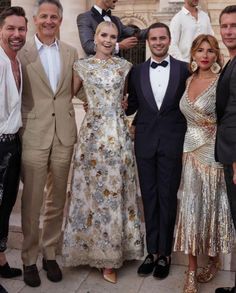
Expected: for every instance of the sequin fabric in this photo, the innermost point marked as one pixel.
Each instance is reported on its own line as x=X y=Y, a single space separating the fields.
x=204 y=224
x=103 y=226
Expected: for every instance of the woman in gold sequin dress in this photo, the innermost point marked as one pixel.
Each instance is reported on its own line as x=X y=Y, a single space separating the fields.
x=204 y=224
x=103 y=225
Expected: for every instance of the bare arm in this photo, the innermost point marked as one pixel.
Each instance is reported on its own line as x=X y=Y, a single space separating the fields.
x=77 y=83
x=234 y=170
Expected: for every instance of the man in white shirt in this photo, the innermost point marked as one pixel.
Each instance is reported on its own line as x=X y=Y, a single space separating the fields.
x=87 y=23
x=13 y=28
x=185 y=26
x=155 y=89
x=48 y=137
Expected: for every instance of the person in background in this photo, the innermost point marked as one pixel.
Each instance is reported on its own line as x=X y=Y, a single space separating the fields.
x=103 y=225
x=226 y=114
x=13 y=28
x=87 y=23
x=48 y=136
x=185 y=26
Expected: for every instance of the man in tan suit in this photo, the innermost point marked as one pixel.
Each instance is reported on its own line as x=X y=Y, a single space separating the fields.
x=48 y=136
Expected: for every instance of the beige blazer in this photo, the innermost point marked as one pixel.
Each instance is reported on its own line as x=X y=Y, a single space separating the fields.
x=44 y=112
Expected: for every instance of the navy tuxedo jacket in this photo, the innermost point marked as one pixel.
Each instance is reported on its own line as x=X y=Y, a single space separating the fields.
x=158 y=129
x=87 y=23
x=226 y=114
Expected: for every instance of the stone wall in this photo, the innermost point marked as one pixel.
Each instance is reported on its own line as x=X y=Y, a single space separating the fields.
x=4 y=4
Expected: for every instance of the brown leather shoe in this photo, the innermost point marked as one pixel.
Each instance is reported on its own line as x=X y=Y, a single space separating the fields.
x=54 y=273
x=31 y=276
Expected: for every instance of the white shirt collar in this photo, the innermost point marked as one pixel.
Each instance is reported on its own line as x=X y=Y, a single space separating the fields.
x=167 y=59
x=98 y=9
x=186 y=11
x=40 y=45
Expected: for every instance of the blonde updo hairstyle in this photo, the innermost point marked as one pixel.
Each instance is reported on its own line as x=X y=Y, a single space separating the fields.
x=212 y=41
x=105 y=24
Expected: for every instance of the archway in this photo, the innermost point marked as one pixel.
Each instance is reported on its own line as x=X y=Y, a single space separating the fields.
x=137 y=54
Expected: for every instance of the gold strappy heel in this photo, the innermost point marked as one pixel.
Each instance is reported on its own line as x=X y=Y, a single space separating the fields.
x=209 y=272
x=191 y=285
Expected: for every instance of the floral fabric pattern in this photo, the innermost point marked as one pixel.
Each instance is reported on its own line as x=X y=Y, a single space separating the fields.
x=103 y=225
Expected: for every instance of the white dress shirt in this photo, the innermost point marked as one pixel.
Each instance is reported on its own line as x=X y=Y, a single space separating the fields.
x=159 y=79
x=107 y=18
x=50 y=58
x=184 y=29
x=10 y=97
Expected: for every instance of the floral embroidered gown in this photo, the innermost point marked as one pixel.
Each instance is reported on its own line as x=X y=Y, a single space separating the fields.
x=204 y=224
x=103 y=225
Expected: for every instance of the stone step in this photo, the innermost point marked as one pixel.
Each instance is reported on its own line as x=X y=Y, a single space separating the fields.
x=16 y=237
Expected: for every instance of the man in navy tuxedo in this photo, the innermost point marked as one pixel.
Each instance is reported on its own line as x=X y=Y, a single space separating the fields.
x=226 y=113
x=87 y=23
x=155 y=89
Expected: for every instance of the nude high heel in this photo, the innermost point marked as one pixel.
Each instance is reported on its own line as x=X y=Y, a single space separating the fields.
x=109 y=275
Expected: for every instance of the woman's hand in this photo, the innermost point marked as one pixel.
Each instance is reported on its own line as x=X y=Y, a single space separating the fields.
x=124 y=102
x=85 y=106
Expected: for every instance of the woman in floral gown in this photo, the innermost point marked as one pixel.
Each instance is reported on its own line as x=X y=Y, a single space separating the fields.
x=103 y=225
x=204 y=224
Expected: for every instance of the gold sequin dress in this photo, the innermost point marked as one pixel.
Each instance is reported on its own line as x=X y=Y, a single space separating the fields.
x=204 y=224
x=103 y=225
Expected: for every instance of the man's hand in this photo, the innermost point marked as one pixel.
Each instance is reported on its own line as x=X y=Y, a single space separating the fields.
x=124 y=103
x=234 y=170
x=128 y=43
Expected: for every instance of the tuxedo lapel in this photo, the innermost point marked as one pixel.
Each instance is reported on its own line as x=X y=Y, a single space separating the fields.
x=172 y=84
x=114 y=19
x=222 y=90
x=96 y=15
x=146 y=85
x=33 y=58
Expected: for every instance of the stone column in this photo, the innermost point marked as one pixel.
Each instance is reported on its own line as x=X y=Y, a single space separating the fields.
x=69 y=30
x=28 y=6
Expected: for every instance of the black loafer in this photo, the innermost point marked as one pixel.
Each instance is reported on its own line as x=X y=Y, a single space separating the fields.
x=31 y=276
x=226 y=290
x=147 y=266
x=162 y=267
x=7 y=272
x=53 y=270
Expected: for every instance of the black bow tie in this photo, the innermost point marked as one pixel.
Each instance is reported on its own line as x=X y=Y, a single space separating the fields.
x=164 y=63
x=106 y=13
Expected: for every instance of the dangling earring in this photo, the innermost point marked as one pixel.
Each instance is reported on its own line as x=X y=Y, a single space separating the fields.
x=95 y=47
x=194 y=66
x=215 y=68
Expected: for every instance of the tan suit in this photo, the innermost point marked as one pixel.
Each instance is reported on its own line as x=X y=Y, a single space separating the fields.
x=48 y=136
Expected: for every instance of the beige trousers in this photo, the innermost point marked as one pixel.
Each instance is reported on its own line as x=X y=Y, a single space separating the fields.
x=37 y=165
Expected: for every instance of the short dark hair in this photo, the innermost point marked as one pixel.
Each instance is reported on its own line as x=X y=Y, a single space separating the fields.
x=227 y=10
x=13 y=10
x=158 y=25
x=55 y=2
